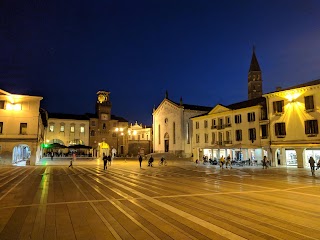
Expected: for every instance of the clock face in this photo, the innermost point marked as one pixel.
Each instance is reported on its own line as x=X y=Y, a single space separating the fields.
x=101 y=98
x=104 y=116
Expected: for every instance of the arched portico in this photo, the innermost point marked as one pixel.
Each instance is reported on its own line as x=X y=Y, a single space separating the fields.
x=21 y=154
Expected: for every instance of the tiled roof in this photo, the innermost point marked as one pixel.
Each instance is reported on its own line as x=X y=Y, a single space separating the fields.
x=311 y=83
x=192 y=107
x=248 y=103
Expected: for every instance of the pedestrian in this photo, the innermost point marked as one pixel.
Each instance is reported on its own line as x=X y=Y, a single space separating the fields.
x=228 y=162
x=221 y=161
x=140 y=160
x=105 y=160
x=318 y=164
x=109 y=160
x=197 y=162
x=52 y=156
x=264 y=162
x=150 y=161
x=72 y=159
x=312 y=162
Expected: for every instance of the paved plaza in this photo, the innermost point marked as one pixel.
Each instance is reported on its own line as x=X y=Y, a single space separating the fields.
x=178 y=201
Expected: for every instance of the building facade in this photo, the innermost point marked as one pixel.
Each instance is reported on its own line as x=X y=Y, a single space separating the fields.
x=22 y=128
x=237 y=130
x=139 y=139
x=172 y=127
x=294 y=115
x=108 y=133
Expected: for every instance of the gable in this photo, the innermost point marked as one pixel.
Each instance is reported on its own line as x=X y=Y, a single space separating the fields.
x=219 y=109
x=166 y=105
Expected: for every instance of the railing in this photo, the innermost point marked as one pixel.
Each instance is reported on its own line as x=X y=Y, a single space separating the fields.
x=228 y=142
x=220 y=127
x=213 y=127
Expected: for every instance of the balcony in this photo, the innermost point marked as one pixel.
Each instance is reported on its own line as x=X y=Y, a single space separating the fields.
x=220 y=127
x=227 y=142
x=280 y=136
x=311 y=135
x=219 y=143
x=227 y=125
x=213 y=127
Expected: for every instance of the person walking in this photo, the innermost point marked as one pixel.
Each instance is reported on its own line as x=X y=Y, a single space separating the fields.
x=312 y=162
x=140 y=160
x=109 y=160
x=72 y=159
x=52 y=154
x=105 y=160
x=228 y=162
x=150 y=161
x=221 y=161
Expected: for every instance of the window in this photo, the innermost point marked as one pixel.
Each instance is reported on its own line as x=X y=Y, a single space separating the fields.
x=142 y=135
x=213 y=136
x=228 y=122
x=311 y=127
x=308 y=102
x=1 y=127
x=278 y=107
x=280 y=129
x=220 y=138
x=92 y=133
x=264 y=131
x=2 y=104
x=251 y=117
x=23 y=128
x=166 y=120
x=104 y=126
x=61 y=128
x=82 y=129
x=93 y=123
x=237 y=118
x=51 y=128
x=252 y=134
x=206 y=137
x=197 y=138
x=228 y=137
x=188 y=134
x=159 y=134
x=205 y=123
x=197 y=125
x=239 y=135
x=213 y=123
x=72 y=129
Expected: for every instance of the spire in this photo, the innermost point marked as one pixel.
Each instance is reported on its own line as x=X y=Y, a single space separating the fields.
x=166 y=94
x=254 y=65
x=181 y=103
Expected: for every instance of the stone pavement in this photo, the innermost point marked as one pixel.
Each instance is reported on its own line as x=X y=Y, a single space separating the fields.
x=178 y=201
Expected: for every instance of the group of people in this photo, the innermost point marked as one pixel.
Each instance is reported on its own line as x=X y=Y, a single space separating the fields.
x=312 y=163
x=106 y=161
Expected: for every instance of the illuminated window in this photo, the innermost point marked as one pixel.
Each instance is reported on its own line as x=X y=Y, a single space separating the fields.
x=264 y=131
x=252 y=134
x=251 y=117
x=237 y=118
x=61 y=128
x=280 y=129
x=51 y=128
x=72 y=129
x=239 y=135
x=205 y=123
x=23 y=128
x=1 y=127
x=82 y=129
x=278 y=107
x=197 y=138
x=308 y=102
x=311 y=127
x=206 y=137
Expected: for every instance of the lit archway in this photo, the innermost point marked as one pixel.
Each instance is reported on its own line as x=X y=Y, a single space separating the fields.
x=21 y=154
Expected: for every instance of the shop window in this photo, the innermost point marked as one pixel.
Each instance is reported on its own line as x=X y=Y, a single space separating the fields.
x=278 y=107
x=311 y=127
x=239 y=135
x=251 y=117
x=280 y=129
x=309 y=104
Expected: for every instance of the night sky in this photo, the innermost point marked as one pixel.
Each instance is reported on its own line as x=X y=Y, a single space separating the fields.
x=67 y=50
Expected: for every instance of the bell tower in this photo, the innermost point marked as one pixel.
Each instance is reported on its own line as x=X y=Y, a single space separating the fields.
x=254 y=78
x=103 y=105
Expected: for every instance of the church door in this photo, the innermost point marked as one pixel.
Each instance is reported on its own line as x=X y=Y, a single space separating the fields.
x=166 y=145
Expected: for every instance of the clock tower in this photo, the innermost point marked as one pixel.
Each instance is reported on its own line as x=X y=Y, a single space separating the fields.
x=103 y=105
x=254 y=78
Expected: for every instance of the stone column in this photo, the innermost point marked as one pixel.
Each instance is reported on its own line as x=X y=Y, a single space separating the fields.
x=300 y=157
x=283 y=157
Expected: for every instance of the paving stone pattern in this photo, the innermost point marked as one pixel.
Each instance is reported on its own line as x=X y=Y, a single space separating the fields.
x=178 y=201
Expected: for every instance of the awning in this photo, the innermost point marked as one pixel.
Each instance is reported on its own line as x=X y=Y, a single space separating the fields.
x=79 y=146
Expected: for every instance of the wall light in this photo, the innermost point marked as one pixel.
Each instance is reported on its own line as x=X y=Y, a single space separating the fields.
x=13 y=106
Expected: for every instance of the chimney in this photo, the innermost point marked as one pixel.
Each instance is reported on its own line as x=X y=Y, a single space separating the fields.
x=278 y=88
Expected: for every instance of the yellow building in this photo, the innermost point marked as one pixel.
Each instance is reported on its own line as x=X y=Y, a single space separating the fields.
x=22 y=128
x=139 y=139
